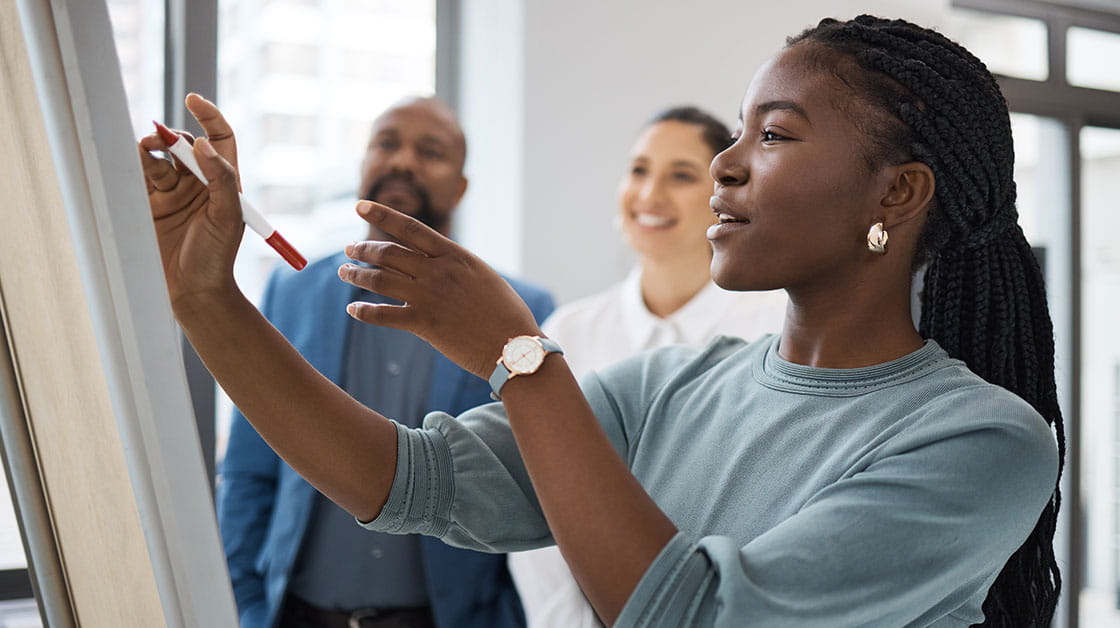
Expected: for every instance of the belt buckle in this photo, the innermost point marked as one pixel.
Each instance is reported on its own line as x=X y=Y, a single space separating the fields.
x=357 y=616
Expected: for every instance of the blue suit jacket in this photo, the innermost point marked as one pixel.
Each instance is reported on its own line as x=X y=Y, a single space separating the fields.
x=264 y=506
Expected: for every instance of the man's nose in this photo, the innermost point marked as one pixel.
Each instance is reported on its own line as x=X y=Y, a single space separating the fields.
x=403 y=160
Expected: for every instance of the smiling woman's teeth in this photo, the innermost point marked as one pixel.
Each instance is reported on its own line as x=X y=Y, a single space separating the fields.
x=729 y=218
x=652 y=220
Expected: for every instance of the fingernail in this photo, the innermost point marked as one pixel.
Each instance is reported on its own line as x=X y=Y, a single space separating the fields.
x=352 y=309
x=205 y=147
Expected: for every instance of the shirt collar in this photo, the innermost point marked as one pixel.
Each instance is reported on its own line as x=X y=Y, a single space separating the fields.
x=692 y=324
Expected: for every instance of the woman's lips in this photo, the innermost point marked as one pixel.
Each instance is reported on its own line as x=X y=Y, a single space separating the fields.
x=728 y=221
x=648 y=220
x=723 y=210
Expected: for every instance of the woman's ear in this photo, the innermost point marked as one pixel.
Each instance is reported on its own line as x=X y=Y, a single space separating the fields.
x=909 y=190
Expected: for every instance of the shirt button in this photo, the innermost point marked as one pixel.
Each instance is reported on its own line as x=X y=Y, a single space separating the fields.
x=394 y=369
x=376 y=552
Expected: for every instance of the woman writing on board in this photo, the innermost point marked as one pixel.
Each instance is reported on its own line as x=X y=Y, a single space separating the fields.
x=852 y=470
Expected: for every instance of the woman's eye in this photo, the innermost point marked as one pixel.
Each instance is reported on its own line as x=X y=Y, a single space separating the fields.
x=684 y=177
x=638 y=171
x=770 y=136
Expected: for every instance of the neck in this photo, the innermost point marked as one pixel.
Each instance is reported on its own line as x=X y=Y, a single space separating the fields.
x=865 y=323
x=668 y=285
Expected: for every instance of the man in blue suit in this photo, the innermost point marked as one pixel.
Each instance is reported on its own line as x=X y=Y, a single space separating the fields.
x=296 y=559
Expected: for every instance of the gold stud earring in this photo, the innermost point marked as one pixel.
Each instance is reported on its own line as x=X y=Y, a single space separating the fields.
x=877 y=239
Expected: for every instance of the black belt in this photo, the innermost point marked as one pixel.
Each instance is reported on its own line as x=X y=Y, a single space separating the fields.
x=299 y=614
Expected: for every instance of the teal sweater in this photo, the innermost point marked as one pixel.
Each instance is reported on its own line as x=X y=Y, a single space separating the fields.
x=889 y=495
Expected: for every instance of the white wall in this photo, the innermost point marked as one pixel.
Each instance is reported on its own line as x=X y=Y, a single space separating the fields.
x=553 y=93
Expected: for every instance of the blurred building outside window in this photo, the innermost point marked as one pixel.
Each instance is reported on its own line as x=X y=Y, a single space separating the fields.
x=301 y=82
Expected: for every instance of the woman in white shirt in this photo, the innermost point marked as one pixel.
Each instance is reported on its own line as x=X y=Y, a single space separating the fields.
x=669 y=298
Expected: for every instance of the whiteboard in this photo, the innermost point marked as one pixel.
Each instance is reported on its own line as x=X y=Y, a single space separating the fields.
x=99 y=396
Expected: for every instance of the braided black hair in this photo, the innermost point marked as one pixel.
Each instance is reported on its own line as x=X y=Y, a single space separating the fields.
x=714 y=133
x=984 y=300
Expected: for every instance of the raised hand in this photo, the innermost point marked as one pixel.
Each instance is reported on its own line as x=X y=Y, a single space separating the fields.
x=198 y=227
x=451 y=298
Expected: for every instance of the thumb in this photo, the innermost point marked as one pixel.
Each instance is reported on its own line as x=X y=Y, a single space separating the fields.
x=222 y=180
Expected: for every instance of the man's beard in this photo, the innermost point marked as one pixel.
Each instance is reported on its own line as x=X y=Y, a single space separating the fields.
x=424 y=212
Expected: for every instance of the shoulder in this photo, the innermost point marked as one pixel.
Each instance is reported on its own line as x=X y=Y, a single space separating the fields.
x=952 y=406
x=962 y=399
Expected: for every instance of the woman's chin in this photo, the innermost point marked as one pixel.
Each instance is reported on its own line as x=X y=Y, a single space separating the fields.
x=736 y=279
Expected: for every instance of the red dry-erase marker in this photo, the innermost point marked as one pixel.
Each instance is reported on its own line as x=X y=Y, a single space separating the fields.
x=181 y=148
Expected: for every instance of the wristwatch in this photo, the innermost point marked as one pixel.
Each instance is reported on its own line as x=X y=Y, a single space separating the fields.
x=522 y=355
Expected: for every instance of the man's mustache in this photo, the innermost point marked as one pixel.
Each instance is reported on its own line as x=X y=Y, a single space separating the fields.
x=379 y=184
x=424 y=213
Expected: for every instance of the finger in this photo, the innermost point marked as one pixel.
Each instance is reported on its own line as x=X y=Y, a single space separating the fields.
x=179 y=165
x=223 y=181
x=410 y=231
x=387 y=255
x=153 y=141
x=159 y=174
x=380 y=280
x=396 y=316
x=218 y=130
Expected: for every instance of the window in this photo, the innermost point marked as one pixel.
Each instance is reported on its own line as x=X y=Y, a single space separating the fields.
x=1009 y=45
x=1100 y=452
x=1092 y=58
x=1066 y=122
x=303 y=107
x=278 y=128
x=290 y=58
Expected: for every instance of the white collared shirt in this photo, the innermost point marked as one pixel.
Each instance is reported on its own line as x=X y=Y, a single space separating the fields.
x=597 y=331
x=601 y=329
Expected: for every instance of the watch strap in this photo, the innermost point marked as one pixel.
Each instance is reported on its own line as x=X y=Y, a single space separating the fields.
x=498 y=379
x=502 y=374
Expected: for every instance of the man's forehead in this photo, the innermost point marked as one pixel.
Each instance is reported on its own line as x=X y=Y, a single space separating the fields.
x=423 y=114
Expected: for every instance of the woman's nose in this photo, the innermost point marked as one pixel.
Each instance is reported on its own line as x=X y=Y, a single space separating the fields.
x=648 y=193
x=727 y=169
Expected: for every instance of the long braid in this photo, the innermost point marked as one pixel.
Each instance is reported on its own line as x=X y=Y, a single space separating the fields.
x=984 y=299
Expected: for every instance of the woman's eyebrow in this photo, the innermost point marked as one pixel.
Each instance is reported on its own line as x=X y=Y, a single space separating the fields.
x=686 y=163
x=781 y=105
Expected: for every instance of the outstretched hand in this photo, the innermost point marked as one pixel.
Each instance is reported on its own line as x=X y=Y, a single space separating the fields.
x=450 y=297
x=199 y=227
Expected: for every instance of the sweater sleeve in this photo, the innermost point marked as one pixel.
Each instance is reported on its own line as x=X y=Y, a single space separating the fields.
x=463 y=480
x=908 y=540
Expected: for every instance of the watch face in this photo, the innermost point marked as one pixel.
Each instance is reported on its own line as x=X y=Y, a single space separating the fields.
x=523 y=355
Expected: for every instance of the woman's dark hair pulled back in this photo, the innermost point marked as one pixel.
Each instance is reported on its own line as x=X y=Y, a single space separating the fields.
x=714 y=133
x=923 y=97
